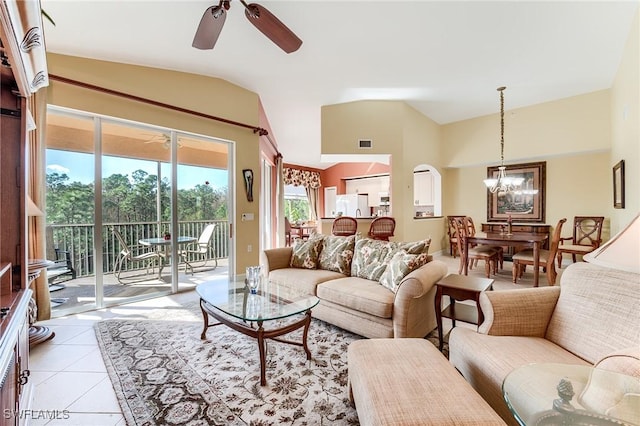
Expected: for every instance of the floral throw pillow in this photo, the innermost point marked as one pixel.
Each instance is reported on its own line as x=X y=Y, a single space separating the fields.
x=416 y=247
x=401 y=264
x=337 y=253
x=370 y=258
x=305 y=253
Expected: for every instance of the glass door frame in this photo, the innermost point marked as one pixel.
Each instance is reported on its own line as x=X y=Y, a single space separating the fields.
x=98 y=120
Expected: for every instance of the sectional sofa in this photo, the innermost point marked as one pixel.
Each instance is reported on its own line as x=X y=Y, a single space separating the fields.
x=369 y=287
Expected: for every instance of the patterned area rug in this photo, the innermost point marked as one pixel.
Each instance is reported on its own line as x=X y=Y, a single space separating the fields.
x=164 y=374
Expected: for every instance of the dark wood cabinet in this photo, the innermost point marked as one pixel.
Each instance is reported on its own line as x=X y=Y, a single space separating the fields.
x=15 y=295
x=529 y=228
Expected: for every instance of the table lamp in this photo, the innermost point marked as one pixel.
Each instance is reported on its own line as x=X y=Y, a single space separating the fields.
x=620 y=252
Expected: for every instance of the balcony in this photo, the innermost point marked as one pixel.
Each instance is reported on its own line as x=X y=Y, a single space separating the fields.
x=137 y=282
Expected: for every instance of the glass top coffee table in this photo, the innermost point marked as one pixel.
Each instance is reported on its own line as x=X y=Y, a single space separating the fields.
x=566 y=394
x=232 y=304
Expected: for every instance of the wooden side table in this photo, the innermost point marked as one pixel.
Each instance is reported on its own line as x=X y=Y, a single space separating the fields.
x=459 y=287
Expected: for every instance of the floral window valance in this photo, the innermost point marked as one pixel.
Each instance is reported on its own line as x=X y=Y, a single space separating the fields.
x=299 y=177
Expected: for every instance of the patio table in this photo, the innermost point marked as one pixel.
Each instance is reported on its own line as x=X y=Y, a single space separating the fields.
x=163 y=247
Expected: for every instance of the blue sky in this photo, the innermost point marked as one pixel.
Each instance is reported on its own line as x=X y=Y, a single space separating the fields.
x=79 y=168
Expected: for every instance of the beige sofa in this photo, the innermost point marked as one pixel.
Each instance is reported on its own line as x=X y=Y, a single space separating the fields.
x=362 y=306
x=592 y=318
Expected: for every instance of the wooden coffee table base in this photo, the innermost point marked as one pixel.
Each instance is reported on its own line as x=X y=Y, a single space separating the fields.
x=258 y=333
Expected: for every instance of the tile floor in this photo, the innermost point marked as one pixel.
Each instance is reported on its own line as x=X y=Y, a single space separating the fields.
x=70 y=381
x=69 y=376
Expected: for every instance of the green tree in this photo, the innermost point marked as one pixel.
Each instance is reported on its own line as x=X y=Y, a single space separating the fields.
x=68 y=202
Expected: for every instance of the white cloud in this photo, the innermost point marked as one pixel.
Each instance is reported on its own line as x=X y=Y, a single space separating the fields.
x=57 y=169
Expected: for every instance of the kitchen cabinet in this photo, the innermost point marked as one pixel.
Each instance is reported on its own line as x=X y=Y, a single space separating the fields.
x=422 y=188
x=372 y=186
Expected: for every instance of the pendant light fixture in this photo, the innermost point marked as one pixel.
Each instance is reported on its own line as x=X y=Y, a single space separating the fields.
x=502 y=183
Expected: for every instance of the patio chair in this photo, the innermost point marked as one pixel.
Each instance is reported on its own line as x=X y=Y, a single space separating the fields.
x=150 y=258
x=200 y=249
x=61 y=270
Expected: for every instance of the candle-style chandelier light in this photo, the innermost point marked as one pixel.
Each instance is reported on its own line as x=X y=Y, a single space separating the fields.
x=502 y=183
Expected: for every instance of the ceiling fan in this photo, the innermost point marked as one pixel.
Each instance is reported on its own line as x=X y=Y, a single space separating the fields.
x=213 y=19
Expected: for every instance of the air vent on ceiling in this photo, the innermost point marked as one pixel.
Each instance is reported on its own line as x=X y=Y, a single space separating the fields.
x=365 y=144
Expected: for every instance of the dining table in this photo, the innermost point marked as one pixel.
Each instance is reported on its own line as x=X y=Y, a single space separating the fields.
x=163 y=247
x=515 y=239
x=305 y=230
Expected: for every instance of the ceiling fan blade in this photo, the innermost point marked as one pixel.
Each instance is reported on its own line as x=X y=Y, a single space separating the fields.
x=272 y=27
x=210 y=27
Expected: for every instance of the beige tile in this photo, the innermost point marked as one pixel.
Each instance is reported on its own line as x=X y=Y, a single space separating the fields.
x=50 y=357
x=99 y=399
x=87 y=337
x=64 y=388
x=92 y=362
x=37 y=377
x=65 y=333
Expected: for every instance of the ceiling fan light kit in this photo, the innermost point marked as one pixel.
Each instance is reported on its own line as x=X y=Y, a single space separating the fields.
x=213 y=19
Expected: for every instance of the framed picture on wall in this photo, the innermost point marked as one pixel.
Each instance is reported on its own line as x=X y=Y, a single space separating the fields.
x=524 y=204
x=618 y=185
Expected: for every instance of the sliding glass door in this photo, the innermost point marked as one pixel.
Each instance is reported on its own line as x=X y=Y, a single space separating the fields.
x=161 y=221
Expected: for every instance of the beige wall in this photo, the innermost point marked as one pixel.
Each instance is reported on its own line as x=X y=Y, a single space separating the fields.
x=571 y=135
x=396 y=129
x=625 y=124
x=576 y=185
x=422 y=144
x=565 y=127
x=204 y=94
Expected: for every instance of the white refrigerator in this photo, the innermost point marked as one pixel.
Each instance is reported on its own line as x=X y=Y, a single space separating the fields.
x=354 y=205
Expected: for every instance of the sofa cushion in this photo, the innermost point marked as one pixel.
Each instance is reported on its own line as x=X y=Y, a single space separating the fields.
x=408 y=382
x=399 y=266
x=486 y=360
x=337 y=253
x=593 y=302
x=415 y=247
x=305 y=253
x=360 y=294
x=302 y=281
x=370 y=258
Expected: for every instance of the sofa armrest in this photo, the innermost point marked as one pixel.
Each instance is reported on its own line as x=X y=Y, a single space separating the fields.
x=413 y=306
x=523 y=312
x=277 y=258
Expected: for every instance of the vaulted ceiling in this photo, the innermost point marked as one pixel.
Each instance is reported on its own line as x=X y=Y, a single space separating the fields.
x=444 y=58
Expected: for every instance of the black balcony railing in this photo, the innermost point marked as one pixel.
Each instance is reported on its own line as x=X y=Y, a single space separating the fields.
x=79 y=240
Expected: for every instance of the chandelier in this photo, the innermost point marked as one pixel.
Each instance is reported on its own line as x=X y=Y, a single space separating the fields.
x=502 y=183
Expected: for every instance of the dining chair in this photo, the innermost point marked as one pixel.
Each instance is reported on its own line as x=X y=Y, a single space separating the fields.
x=290 y=232
x=382 y=228
x=546 y=257
x=126 y=255
x=587 y=232
x=453 y=235
x=200 y=250
x=344 y=226
x=491 y=255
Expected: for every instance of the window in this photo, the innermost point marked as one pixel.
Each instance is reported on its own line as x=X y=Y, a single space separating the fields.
x=296 y=203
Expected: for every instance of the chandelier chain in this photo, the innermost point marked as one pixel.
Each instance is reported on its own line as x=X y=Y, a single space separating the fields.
x=501 y=90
